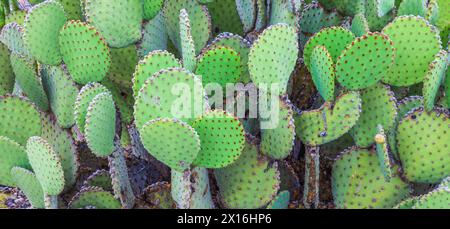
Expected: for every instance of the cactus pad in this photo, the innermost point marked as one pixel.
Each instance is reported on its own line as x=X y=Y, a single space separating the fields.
x=86 y=63
x=154 y=36
x=6 y=71
x=29 y=185
x=42 y=26
x=187 y=42
x=412 y=55
x=46 y=164
x=72 y=9
x=222 y=139
x=273 y=56
x=225 y=17
x=94 y=197
x=422 y=135
x=383 y=153
x=87 y=93
x=412 y=7
x=436 y=199
x=11 y=154
x=322 y=72
x=12 y=37
x=364 y=62
x=100 y=127
x=359 y=25
x=123 y=63
x=434 y=78
x=117 y=20
x=281 y=201
x=172 y=142
x=314 y=18
x=152 y=8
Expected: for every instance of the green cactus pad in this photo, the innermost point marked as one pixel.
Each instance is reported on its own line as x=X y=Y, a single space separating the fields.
x=239 y=45
x=281 y=13
x=322 y=72
x=278 y=142
x=86 y=63
x=412 y=55
x=118 y=21
x=187 y=42
x=247 y=12
x=62 y=93
x=424 y=135
x=225 y=17
x=335 y=40
x=436 y=199
x=364 y=62
x=261 y=15
x=407 y=204
x=123 y=63
x=100 y=127
x=273 y=56
x=154 y=36
x=170 y=93
x=152 y=8
x=85 y=96
x=383 y=153
x=375 y=22
x=349 y=7
x=249 y=182
x=94 y=197
x=434 y=78
x=12 y=37
x=100 y=178
x=63 y=144
x=151 y=64
x=72 y=9
x=29 y=185
x=42 y=26
x=198 y=16
x=46 y=164
x=172 y=142
x=281 y=201
x=221 y=65
x=379 y=107
x=314 y=18
x=328 y=123
x=120 y=179
x=11 y=154
x=359 y=25
x=412 y=7
x=19 y=119
x=358 y=182
x=6 y=71
x=29 y=81
x=385 y=6
x=123 y=100
x=222 y=139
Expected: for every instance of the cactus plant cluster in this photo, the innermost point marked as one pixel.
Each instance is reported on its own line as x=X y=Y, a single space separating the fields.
x=124 y=103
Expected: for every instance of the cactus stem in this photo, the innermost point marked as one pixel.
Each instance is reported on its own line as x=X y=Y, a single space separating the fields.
x=312 y=172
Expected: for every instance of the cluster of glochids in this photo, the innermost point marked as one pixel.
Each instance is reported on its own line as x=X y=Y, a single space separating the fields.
x=87 y=118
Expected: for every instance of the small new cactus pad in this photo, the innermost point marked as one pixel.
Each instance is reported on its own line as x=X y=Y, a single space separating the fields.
x=273 y=56
x=225 y=17
x=379 y=107
x=29 y=185
x=19 y=119
x=29 y=81
x=72 y=9
x=423 y=135
x=85 y=96
x=222 y=139
x=239 y=45
x=358 y=182
x=187 y=42
x=281 y=201
x=151 y=8
x=171 y=141
x=412 y=55
x=408 y=203
x=364 y=62
x=157 y=196
x=322 y=72
x=170 y=93
x=198 y=16
x=100 y=178
x=436 y=199
x=42 y=26
x=123 y=63
x=221 y=65
x=46 y=164
x=6 y=71
x=359 y=25
x=434 y=78
x=120 y=179
x=63 y=144
x=62 y=93
x=383 y=153
x=11 y=154
x=88 y=62
x=12 y=37
x=314 y=18
x=154 y=36
x=281 y=13
x=412 y=7
x=151 y=64
x=328 y=123
x=385 y=6
x=100 y=127
x=247 y=12
x=375 y=22
x=201 y=197
x=249 y=182
x=334 y=39
x=94 y=197
x=118 y=21
x=277 y=143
